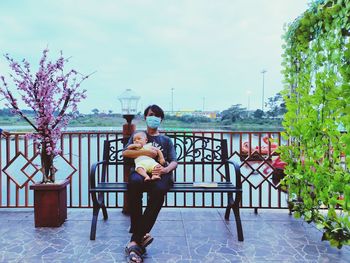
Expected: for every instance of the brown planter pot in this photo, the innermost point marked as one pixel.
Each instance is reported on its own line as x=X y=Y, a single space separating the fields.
x=50 y=204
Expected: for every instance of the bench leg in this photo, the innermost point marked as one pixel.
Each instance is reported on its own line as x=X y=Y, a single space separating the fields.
x=96 y=209
x=228 y=210
x=229 y=205
x=102 y=205
x=235 y=209
x=97 y=204
x=104 y=211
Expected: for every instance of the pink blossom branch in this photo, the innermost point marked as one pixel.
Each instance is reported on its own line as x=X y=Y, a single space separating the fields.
x=63 y=110
x=18 y=111
x=48 y=92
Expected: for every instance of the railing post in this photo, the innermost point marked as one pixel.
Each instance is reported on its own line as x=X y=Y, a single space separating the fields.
x=128 y=129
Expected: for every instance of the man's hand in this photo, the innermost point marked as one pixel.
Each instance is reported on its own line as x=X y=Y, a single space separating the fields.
x=138 y=145
x=158 y=171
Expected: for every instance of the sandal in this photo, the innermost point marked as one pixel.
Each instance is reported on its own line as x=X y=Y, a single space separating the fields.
x=147 y=240
x=134 y=254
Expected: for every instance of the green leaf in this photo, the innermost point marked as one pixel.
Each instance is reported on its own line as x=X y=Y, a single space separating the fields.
x=319 y=226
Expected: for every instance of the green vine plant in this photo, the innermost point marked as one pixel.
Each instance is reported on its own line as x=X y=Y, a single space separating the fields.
x=316 y=68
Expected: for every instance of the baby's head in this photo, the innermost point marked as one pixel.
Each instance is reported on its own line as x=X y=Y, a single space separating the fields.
x=140 y=138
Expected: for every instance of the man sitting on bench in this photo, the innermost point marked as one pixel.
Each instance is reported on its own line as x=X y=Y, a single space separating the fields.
x=142 y=223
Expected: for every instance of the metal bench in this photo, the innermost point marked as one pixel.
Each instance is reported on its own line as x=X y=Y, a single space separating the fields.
x=191 y=151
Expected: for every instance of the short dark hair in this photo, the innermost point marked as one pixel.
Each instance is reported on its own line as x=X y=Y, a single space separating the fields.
x=156 y=109
x=135 y=132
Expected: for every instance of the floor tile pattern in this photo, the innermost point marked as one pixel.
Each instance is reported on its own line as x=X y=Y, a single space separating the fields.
x=181 y=236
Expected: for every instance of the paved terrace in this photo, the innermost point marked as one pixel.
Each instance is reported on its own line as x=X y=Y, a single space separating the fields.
x=181 y=235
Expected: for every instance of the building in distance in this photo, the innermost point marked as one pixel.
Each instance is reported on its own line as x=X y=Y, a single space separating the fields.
x=196 y=113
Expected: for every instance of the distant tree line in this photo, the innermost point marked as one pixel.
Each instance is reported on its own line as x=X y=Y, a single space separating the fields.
x=188 y=118
x=7 y=112
x=276 y=109
x=236 y=113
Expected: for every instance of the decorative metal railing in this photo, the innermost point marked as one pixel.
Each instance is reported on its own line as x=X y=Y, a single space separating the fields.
x=19 y=169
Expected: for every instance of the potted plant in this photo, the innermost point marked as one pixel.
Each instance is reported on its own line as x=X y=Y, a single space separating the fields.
x=52 y=95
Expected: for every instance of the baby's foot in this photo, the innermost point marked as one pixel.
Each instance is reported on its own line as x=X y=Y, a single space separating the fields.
x=147 y=178
x=155 y=177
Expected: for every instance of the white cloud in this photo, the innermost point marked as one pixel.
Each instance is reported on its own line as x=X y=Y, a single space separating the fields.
x=202 y=48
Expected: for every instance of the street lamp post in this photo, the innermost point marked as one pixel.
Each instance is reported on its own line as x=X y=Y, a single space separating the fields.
x=128 y=100
x=248 y=103
x=263 y=89
x=172 y=100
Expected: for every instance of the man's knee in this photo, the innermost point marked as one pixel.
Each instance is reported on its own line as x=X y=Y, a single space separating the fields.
x=161 y=187
x=135 y=179
x=135 y=184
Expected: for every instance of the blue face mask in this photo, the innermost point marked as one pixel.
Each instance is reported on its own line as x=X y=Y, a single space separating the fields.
x=153 y=122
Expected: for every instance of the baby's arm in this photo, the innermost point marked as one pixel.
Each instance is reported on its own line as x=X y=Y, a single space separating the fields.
x=160 y=155
x=161 y=159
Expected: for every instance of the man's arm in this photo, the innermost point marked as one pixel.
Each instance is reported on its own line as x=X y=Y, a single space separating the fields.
x=172 y=166
x=133 y=154
x=134 y=146
x=137 y=153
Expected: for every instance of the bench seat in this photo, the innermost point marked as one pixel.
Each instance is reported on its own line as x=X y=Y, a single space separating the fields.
x=222 y=187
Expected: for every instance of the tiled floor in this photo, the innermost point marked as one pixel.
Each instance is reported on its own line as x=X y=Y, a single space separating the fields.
x=181 y=235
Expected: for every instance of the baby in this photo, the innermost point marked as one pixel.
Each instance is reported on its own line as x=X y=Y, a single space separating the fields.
x=145 y=164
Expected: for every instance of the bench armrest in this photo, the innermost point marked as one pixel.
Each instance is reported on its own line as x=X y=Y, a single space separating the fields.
x=237 y=168
x=92 y=174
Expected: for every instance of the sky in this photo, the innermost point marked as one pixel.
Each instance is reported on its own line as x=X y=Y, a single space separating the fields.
x=181 y=55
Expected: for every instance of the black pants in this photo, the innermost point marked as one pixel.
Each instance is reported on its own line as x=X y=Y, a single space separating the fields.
x=142 y=223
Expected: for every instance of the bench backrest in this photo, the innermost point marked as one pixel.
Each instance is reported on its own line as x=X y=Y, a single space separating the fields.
x=200 y=159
